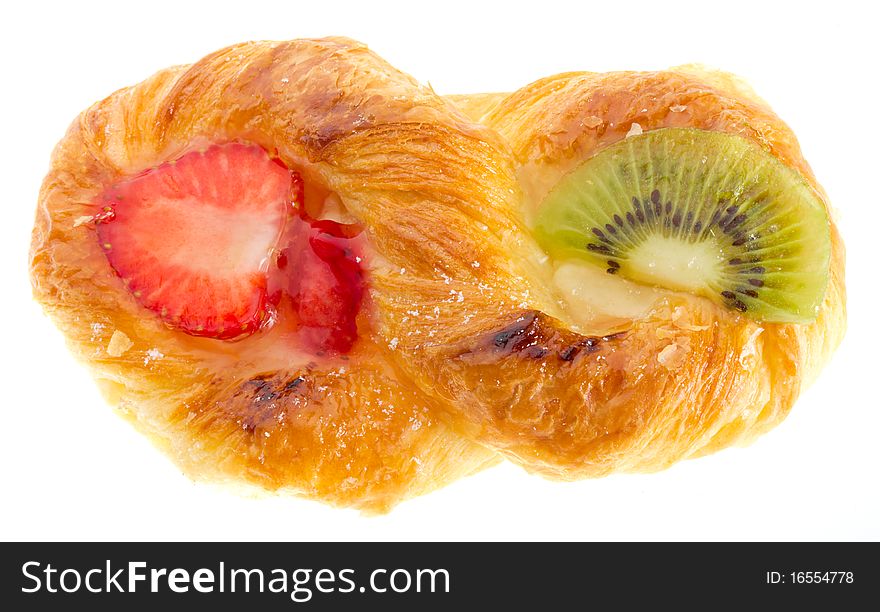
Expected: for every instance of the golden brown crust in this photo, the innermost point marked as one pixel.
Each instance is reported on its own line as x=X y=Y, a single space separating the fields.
x=467 y=346
x=477 y=106
x=576 y=114
x=348 y=432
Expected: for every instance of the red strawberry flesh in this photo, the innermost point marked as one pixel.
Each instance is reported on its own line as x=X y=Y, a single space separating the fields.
x=192 y=239
x=326 y=283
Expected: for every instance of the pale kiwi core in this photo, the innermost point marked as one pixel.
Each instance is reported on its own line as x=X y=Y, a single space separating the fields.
x=668 y=262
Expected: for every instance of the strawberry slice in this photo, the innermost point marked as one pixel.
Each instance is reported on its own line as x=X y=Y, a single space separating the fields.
x=192 y=238
x=325 y=283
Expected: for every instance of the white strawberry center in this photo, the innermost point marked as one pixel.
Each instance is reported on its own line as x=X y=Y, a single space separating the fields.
x=214 y=240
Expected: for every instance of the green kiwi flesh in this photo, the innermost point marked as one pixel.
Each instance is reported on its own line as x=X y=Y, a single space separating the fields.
x=704 y=212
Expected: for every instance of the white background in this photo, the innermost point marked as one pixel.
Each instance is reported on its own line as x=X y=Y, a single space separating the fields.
x=72 y=470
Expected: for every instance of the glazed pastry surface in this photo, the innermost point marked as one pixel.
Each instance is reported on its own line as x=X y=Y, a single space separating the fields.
x=684 y=378
x=471 y=347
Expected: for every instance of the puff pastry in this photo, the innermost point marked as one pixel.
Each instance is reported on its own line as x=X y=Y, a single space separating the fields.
x=466 y=351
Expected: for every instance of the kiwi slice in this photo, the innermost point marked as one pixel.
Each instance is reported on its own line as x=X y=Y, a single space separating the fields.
x=697 y=211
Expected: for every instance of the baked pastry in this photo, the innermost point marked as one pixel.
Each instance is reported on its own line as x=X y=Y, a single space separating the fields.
x=161 y=230
x=293 y=267
x=616 y=170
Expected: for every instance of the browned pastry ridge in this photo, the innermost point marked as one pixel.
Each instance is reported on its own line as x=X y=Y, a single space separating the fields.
x=466 y=351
